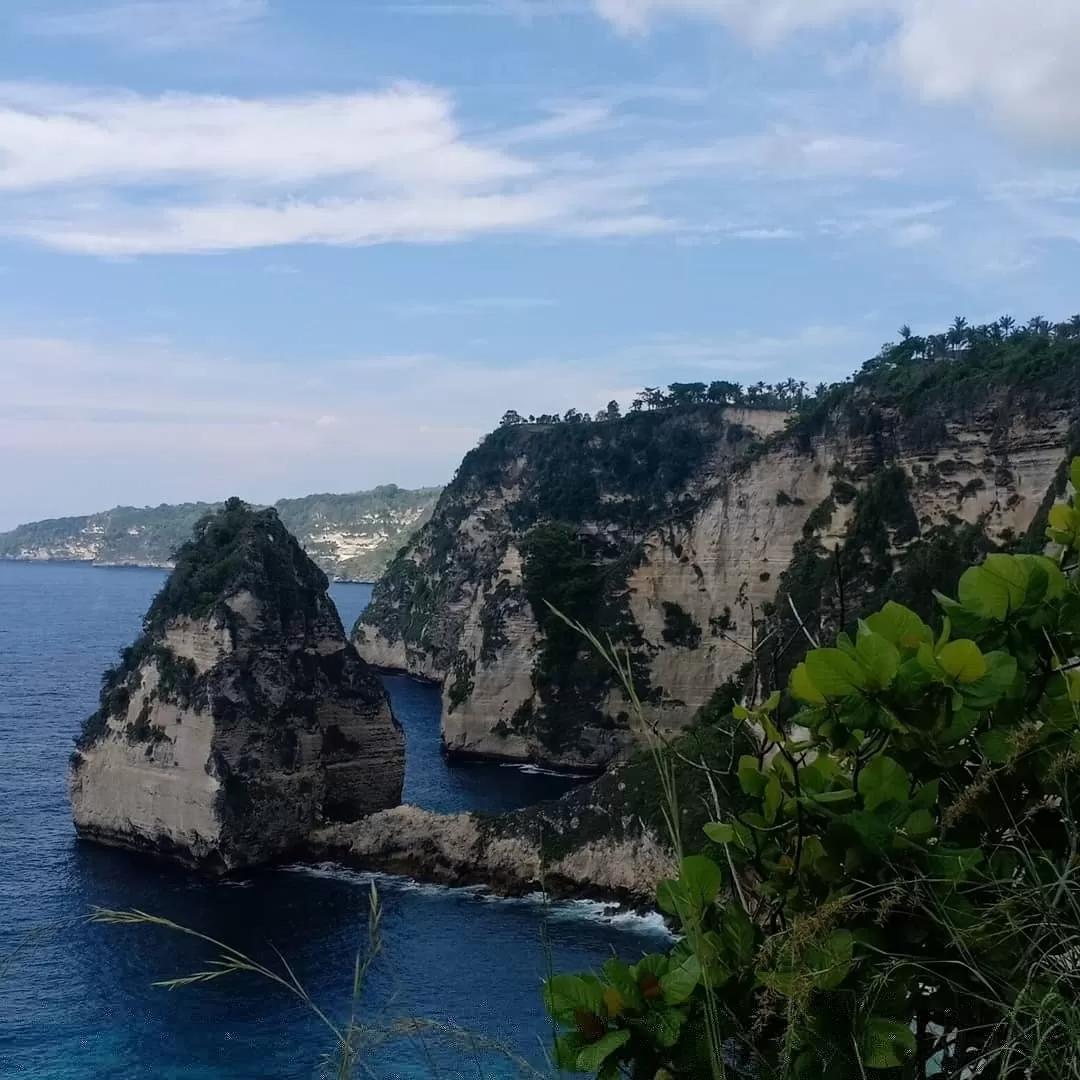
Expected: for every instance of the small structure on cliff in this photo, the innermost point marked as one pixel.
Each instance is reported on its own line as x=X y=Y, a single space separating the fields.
x=241 y=718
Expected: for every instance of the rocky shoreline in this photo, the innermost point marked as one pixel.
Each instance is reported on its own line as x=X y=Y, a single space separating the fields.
x=504 y=854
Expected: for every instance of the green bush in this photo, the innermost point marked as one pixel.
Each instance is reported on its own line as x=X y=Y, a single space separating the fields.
x=680 y=629
x=901 y=900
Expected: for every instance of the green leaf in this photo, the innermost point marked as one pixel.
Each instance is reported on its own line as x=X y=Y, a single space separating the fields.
x=984 y=593
x=701 y=878
x=879 y=659
x=834 y=673
x=803 y=688
x=831 y=961
x=750 y=778
x=827 y=798
x=883 y=780
x=567 y=1048
x=738 y=934
x=655 y=964
x=953 y=864
x=900 y=626
x=1011 y=574
x=564 y=994
x=774 y=796
x=595 y=1054
x=926 y=798
x=963 y=661
x=885 y=1044
x=920 y=824
x=1063 y=518
x=621 y=977
x=680 y=982
x=997 y=744
x=719 y=832
x=663 y=1026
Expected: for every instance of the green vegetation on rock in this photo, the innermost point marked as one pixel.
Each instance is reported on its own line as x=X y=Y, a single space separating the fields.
x=234 y=550
x=350 y=536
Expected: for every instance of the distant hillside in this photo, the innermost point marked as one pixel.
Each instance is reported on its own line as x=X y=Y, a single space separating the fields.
x=350 y=536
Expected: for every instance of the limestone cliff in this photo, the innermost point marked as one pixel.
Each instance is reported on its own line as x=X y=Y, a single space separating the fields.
x=241 y=718
x=689 y=535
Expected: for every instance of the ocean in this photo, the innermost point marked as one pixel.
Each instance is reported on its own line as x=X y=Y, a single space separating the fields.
x=454 y=992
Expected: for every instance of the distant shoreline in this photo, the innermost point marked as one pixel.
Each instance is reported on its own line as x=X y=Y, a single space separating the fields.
x=144 y=566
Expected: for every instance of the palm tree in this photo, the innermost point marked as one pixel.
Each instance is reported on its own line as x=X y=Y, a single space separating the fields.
x=957 y=334
x=1007 y=324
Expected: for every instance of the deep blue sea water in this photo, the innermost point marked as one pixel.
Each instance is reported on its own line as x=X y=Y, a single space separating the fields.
x=75 y=999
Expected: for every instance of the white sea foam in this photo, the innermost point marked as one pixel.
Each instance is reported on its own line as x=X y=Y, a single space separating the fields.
x=596 y=911
x=536 y=770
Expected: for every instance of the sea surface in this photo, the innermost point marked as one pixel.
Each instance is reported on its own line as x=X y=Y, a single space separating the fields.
x=458 y=969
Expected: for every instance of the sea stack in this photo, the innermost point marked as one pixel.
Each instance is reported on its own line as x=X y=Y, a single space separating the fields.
x=241 y=718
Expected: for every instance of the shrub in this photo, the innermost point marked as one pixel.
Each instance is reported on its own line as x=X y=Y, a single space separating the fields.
x=901 y=900
x=680 y=629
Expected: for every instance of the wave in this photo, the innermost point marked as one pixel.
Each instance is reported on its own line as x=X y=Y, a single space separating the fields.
x=536 y=770
x=596 y=911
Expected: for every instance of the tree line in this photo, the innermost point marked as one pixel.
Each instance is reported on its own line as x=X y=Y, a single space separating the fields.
x=962 y=339
x=786 y=396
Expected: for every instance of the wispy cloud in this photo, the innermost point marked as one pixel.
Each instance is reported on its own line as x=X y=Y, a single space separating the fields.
x=122 y=175
x=154 y=25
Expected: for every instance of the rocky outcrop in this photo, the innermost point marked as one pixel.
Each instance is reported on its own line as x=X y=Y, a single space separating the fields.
x=241 y=718
x=505 y=855
x=682 y=533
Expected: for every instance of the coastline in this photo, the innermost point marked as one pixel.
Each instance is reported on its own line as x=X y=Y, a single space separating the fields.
x=107 y=564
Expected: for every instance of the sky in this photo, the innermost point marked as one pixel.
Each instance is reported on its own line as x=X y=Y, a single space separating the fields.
x=270 y=247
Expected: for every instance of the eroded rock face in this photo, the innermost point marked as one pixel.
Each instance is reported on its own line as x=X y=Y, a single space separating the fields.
x=241 y=718
x=504 y=855
x=691 y=555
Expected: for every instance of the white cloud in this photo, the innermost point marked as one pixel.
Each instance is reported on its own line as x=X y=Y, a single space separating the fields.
x=121 y=175
x=405 y=134
x=154 y=25
x=761 y=20
x=778 y=233
x=1015 y=58
x=1011 y=58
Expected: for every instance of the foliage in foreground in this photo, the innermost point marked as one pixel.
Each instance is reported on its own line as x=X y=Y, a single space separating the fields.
x=901 y=900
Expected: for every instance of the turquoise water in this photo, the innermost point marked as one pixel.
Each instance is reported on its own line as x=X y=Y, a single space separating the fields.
x=75 y=999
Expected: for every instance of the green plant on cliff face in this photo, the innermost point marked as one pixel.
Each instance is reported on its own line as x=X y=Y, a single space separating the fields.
x=679 y=627
x=570 y=575
x=903 y=899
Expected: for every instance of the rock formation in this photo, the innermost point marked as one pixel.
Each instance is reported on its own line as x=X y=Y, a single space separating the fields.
x=241 y=718
x=687 y=535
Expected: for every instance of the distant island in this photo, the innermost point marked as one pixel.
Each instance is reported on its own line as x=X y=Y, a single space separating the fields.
x=351 y=537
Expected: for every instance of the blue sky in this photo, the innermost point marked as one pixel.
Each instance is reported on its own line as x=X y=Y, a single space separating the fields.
x=268 y=247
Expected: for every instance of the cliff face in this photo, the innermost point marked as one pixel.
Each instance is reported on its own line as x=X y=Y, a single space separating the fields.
x=242 y=717
x=687 y=536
